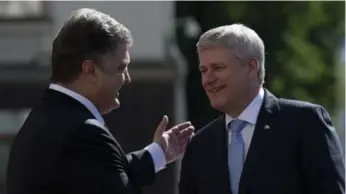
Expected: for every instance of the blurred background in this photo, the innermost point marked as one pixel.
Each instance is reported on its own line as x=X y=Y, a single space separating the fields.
x=305 y=59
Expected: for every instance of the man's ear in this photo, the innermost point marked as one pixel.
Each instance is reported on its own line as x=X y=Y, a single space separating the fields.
x=89 y=71
x=253 y=67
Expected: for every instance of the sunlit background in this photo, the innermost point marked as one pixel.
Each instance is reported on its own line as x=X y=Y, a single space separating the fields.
x=305 y=59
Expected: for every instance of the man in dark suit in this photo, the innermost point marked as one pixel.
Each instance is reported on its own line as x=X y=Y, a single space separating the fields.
x=64 y=146
x=261 y=144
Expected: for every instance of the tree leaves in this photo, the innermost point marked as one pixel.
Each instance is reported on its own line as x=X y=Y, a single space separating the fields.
x=302 y=41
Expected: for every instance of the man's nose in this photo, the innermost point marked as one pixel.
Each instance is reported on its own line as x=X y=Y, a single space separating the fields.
x=208 y=78
x=127 y=77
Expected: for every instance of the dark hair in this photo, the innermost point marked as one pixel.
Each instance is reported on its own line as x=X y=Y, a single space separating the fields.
x=87 y=35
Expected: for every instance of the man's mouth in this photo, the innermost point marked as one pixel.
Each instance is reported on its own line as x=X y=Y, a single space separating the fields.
x=215 y=90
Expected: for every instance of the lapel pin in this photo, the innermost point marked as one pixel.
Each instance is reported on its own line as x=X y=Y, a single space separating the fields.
x=266 y=127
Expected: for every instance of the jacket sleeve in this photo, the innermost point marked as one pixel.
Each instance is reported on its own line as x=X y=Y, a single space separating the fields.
x=322 y=157
x=93 y=163
x=141 y=167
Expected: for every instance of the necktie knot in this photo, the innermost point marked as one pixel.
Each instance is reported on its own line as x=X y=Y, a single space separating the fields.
x=236 y=126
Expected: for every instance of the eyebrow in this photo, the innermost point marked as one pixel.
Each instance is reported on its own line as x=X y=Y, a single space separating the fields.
x=217 y=64
x=213 y=64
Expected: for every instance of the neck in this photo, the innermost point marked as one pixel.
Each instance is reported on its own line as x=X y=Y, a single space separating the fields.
x=79 y=90
x=241 y=105
x=72 y=86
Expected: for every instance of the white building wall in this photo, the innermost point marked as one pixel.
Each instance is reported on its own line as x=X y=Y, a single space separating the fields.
x=148 y=22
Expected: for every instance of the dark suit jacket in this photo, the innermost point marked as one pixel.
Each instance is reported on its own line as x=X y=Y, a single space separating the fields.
x=57 y=151
x=299 y=154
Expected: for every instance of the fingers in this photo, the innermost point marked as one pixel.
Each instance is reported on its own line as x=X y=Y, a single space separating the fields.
x=175 y=142
x=178 y=138
x=162 y=126
x=182 y=126
x=186 y=133
x=185 y=137
x=164 y=122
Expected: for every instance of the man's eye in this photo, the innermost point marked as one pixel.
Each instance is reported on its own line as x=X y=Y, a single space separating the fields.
x=122 y=68
x=219 y=68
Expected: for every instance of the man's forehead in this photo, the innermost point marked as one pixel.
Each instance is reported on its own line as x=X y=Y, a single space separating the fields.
x=210 y=47
x=210 y=64
x=120 y=55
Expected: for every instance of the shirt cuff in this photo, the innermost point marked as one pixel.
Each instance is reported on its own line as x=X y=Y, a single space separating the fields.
x=158 y=156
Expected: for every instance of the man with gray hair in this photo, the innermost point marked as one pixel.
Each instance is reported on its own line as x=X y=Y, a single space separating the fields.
x=261 y=144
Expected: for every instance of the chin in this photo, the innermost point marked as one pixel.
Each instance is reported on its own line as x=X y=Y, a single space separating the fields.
x=114 y=105
x=110 y=110
x=217 y=105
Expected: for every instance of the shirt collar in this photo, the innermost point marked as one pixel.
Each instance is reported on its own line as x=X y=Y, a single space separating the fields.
x=87 y=103
x=251 y=112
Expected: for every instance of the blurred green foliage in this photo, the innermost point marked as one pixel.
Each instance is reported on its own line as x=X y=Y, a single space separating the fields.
x=302 y=40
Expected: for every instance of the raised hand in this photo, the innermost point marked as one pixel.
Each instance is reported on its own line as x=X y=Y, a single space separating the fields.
x=174 y=140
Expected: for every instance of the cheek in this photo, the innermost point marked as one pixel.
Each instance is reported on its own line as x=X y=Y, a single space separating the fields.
x=118 y=81
x=110 y=84
x=232 y=81
x=203 y=80
x=227 y=77
x=239 y=75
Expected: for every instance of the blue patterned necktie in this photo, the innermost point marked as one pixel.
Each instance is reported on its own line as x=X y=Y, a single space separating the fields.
x=236 y=153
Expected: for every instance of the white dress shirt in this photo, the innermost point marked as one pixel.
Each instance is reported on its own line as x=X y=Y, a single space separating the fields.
x=249 y=115
x=155 y=150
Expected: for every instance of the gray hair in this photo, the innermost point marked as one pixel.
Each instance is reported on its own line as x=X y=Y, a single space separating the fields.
x=244 y=41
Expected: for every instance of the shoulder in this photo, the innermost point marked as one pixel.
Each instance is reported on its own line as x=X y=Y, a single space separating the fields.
x=208 y=127
x=294 y=108
x=204 y=133
x=57 y=118
x=93 y=128
x=94 y=123
x=307 y=113
x=290 y=103
x=50 y=124
x=300 y=106
x=93 y=134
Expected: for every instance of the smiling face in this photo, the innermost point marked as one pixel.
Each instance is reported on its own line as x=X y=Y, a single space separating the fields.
x=102 y=82
x=225 y=78
x=111 y=78
x=90 y=55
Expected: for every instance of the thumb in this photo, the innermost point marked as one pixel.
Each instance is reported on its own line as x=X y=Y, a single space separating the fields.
x=162 y=126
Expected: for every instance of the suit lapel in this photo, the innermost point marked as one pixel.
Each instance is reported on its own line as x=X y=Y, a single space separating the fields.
x=259 y=140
